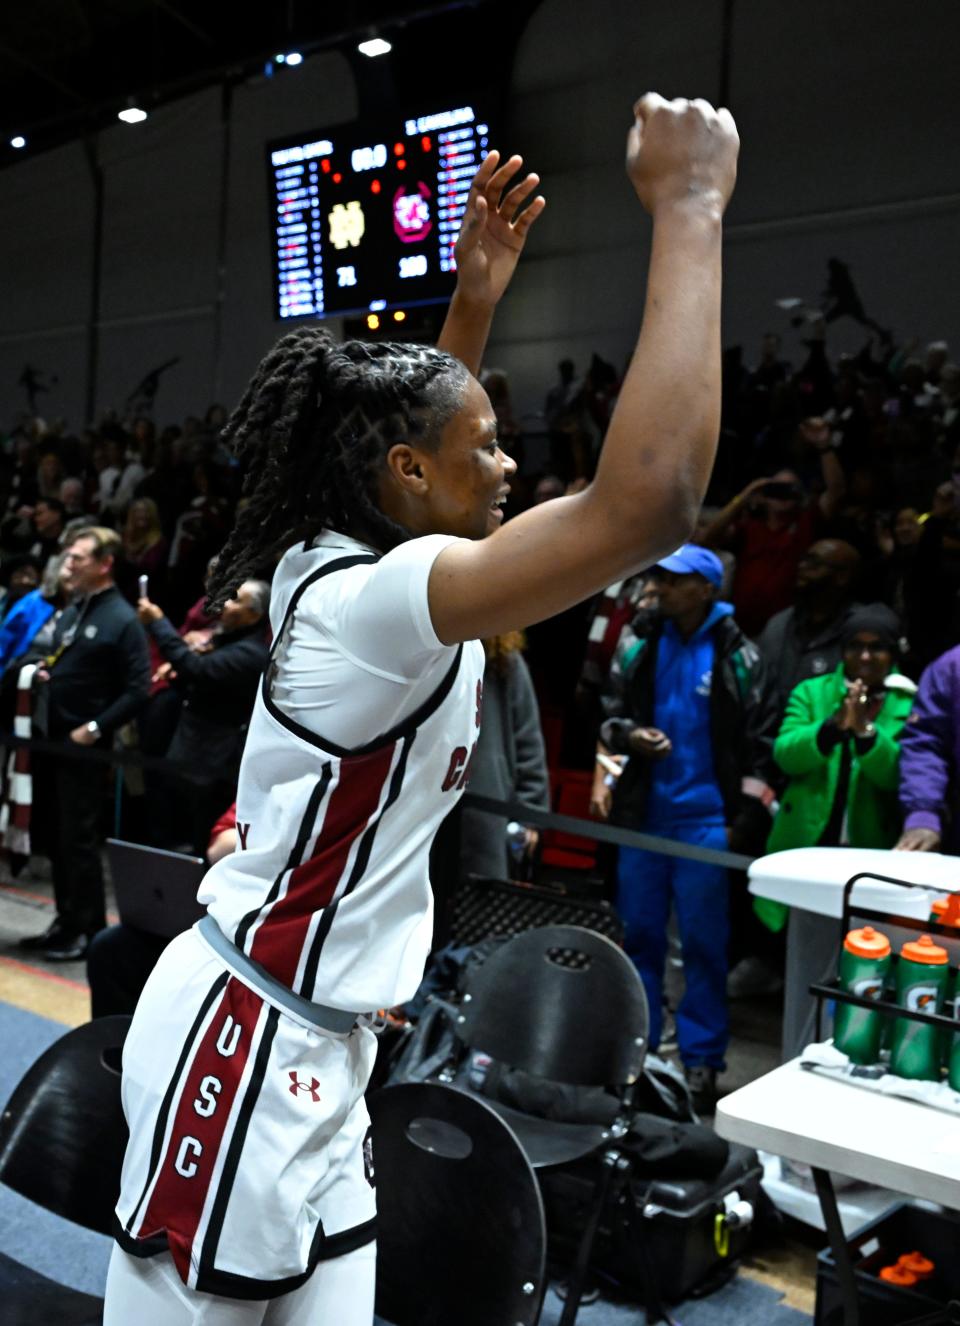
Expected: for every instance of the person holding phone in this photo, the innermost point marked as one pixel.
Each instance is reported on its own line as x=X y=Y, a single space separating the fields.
x=770 y=524
x=218 y=686
x=373 y=470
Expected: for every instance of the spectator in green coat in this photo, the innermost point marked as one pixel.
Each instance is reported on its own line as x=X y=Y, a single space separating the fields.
x=839 y=744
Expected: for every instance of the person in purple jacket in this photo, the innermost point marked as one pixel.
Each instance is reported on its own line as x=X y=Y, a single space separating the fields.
x=930 y=759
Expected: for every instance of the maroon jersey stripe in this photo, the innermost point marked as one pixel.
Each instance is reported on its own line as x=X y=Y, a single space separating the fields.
x=199 y=1125
x=279 y=941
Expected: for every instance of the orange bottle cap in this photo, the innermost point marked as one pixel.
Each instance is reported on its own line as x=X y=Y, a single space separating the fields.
x=898 y=1275
x=947 y=910
x=867 y=943
x=924 y=950
x=918 y=1265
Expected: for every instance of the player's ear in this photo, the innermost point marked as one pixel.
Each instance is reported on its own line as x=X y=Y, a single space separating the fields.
x=405 y=468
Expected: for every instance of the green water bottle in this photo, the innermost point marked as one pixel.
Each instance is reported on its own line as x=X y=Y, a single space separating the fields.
x=921 y=984
x=864 y=963
x=945 y=912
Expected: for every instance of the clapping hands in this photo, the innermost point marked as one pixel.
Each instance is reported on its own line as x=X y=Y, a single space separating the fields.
x=859 y=709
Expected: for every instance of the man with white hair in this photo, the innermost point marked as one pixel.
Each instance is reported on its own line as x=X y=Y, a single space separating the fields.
x=96 y=678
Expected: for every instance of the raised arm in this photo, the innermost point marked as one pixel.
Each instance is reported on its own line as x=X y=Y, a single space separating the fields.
x=661 y=442
x=816 y=433
x=714 y=535
x=496 y=223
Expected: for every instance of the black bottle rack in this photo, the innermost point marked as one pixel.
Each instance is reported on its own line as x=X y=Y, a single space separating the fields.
x=885 y=921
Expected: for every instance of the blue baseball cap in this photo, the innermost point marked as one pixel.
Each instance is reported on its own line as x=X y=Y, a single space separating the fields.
x=692 y=559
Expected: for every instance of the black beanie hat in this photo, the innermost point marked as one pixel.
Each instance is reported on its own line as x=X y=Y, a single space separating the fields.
x=879 y=620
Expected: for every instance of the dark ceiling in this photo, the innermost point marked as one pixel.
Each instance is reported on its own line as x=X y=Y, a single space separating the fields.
x=68 y=66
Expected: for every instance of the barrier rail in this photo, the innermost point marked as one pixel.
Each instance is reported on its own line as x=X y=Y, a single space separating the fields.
x=120 y=757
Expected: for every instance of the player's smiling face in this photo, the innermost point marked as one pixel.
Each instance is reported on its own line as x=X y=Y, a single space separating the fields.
x=460 y=487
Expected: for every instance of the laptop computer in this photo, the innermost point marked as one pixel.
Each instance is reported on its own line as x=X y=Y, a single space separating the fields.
x=156 y=890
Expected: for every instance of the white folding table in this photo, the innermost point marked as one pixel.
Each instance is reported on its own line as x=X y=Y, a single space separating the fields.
x=834 y=1126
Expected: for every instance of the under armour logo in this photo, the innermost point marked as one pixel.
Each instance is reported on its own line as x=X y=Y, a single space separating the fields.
x=312 y=1088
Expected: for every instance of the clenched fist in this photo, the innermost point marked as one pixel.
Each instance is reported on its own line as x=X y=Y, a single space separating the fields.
x=681 y=150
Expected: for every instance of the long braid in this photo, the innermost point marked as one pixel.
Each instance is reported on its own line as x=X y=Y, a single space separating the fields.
x=311 y=432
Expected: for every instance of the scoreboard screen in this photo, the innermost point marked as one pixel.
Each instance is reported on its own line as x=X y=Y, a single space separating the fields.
x=366 y=220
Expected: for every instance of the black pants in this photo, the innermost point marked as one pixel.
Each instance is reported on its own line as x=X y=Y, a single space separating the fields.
x=68 y=800
x=119 y=960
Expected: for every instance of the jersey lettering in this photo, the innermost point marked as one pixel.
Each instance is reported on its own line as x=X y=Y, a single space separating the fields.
x=206 y=1101
x=185 y=1167
x=229 y=1037
x=465 y=776
x=242 y=831
x=455 y=768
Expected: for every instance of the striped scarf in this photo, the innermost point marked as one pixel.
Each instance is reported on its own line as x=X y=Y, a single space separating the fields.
x=17 y=792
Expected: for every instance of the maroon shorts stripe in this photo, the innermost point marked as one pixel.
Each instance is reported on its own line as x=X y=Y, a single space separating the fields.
x=281 y=936
x=209 y=1089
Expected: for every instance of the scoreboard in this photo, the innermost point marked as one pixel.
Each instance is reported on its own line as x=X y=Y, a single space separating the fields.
x=365 y=220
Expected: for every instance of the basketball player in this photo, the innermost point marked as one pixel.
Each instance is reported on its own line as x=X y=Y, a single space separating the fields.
x=374 y=470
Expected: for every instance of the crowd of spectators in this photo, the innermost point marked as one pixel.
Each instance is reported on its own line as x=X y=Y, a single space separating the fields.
x=743 y=688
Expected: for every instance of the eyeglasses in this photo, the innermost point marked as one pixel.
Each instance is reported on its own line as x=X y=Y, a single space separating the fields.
x=877 y=647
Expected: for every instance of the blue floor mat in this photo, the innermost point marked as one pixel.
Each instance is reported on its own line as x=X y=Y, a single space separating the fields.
x=742 y=1302
x=56 y=1248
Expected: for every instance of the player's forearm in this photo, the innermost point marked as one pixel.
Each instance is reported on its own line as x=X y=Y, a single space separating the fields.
x=661 y=443
x=465 y=331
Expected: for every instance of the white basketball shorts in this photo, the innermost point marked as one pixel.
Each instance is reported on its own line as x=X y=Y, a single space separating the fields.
x=249 y=1150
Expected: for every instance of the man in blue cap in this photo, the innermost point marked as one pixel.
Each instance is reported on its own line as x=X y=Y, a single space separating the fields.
x=690 y=709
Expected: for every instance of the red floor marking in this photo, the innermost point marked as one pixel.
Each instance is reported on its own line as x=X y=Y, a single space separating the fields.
x=17 y=892
x=25 y=893
x=47 y=975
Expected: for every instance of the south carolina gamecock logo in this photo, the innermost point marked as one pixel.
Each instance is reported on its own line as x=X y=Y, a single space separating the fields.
x=411 y=214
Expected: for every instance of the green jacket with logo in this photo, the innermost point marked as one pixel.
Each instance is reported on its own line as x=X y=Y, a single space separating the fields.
x=873 y=813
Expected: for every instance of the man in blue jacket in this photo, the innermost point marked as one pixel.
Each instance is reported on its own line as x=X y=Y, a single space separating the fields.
x=691 y=710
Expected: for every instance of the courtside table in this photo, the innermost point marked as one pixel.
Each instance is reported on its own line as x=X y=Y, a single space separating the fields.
x=833 y=1126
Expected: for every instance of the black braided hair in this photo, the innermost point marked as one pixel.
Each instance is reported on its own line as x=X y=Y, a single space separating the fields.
x=312 y=430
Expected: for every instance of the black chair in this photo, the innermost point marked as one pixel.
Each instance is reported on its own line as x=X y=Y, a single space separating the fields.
x=498 y=908
x=62 y=1139
x=460 y=1226
x=567 y=1005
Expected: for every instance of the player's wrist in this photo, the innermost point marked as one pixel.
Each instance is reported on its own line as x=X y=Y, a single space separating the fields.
x=471 y=303
x=698 y=208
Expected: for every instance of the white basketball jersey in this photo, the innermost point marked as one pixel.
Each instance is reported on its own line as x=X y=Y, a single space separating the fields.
x=328 y=889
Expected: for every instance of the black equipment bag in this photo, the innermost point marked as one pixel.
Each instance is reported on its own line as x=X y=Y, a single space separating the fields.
x=677 y=1231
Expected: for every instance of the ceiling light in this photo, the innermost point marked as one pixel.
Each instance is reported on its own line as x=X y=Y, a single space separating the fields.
x=293 y=58
x=132 y=115
x=18 y=141
x=374 y=46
